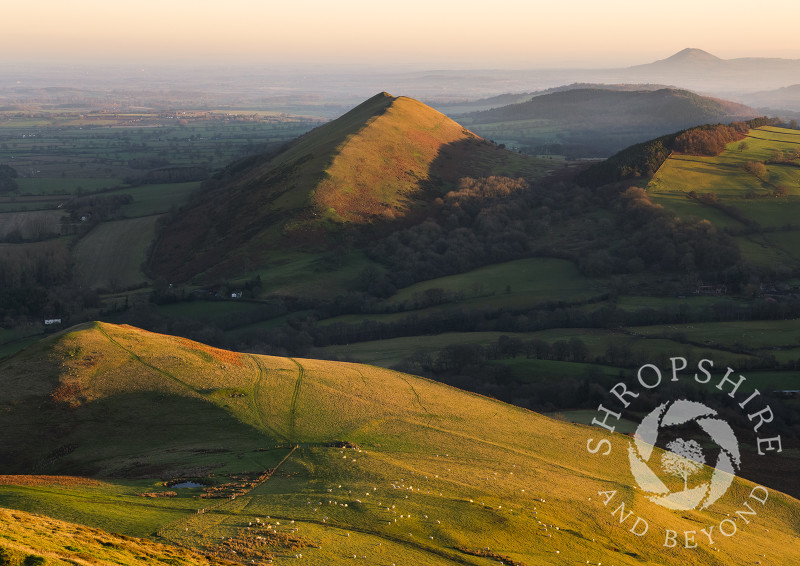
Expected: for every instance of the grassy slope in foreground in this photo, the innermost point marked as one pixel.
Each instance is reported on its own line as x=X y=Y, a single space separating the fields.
x=436 y=469
x=26 y=536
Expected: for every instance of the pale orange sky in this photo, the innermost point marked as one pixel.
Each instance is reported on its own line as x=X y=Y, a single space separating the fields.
x=411 y=33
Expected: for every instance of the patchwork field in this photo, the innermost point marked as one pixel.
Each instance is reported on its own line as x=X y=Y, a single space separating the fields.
x=770 y=201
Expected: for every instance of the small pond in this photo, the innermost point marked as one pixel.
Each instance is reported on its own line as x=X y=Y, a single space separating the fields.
x=186 y=484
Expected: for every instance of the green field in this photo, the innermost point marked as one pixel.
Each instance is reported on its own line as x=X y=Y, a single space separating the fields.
x=751 y=334
x=525 y=369
x=111 y=256
x=155 y=199
x=389 y=352
x=311 y=274
x=514 y=283
x=689 y=302
x=118 y=506
x=64 y=185
x=725 y=176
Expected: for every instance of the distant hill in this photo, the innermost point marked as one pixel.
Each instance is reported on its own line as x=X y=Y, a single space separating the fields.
x=590 y=121
x=687 y=58
x=320 y=460
x=697 y=69
x=785 y=98
x=602 y=107
x=458 y=108
x=378 y=162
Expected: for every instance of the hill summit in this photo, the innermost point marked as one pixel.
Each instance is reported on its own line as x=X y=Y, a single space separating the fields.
x=377 y=162
x=691 y=55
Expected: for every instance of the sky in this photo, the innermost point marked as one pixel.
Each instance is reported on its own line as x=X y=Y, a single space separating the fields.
x=402 y=34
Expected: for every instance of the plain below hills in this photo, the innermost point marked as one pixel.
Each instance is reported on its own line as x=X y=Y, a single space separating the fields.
x=327 y=462
x=379 y=162
x=599 y=120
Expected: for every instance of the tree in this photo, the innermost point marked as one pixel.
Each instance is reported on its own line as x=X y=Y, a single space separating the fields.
x=743 y=145
x=7 y=182
x=684 y=459
x=756 y=168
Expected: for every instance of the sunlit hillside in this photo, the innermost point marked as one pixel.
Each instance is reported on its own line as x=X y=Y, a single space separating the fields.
x=378 y=162
x=752 y=189
x=324 y=461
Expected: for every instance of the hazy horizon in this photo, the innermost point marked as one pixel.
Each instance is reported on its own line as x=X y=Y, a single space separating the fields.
x=310 y=35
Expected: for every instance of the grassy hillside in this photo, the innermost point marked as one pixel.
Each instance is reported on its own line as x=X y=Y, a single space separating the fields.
x=598 y=121
x=27 y=539
x=761 y=208
x=328 y=461
x=380 y=161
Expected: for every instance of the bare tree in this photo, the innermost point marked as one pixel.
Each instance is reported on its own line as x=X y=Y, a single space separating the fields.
x=684 y=459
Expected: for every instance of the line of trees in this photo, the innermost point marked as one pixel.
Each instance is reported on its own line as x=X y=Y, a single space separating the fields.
x=710 y=140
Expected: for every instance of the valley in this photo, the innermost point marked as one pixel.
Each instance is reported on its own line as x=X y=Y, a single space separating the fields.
x=386 y=331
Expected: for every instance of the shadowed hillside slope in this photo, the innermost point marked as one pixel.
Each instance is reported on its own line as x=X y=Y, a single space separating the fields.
x=600 y=107
x=596 y=120
x=378 y=162
x=387 y=467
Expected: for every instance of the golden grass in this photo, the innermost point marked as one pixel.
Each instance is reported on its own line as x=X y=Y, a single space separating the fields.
x=58 y=542
x=376 y=171
x=419 y=470
x=40 y=481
